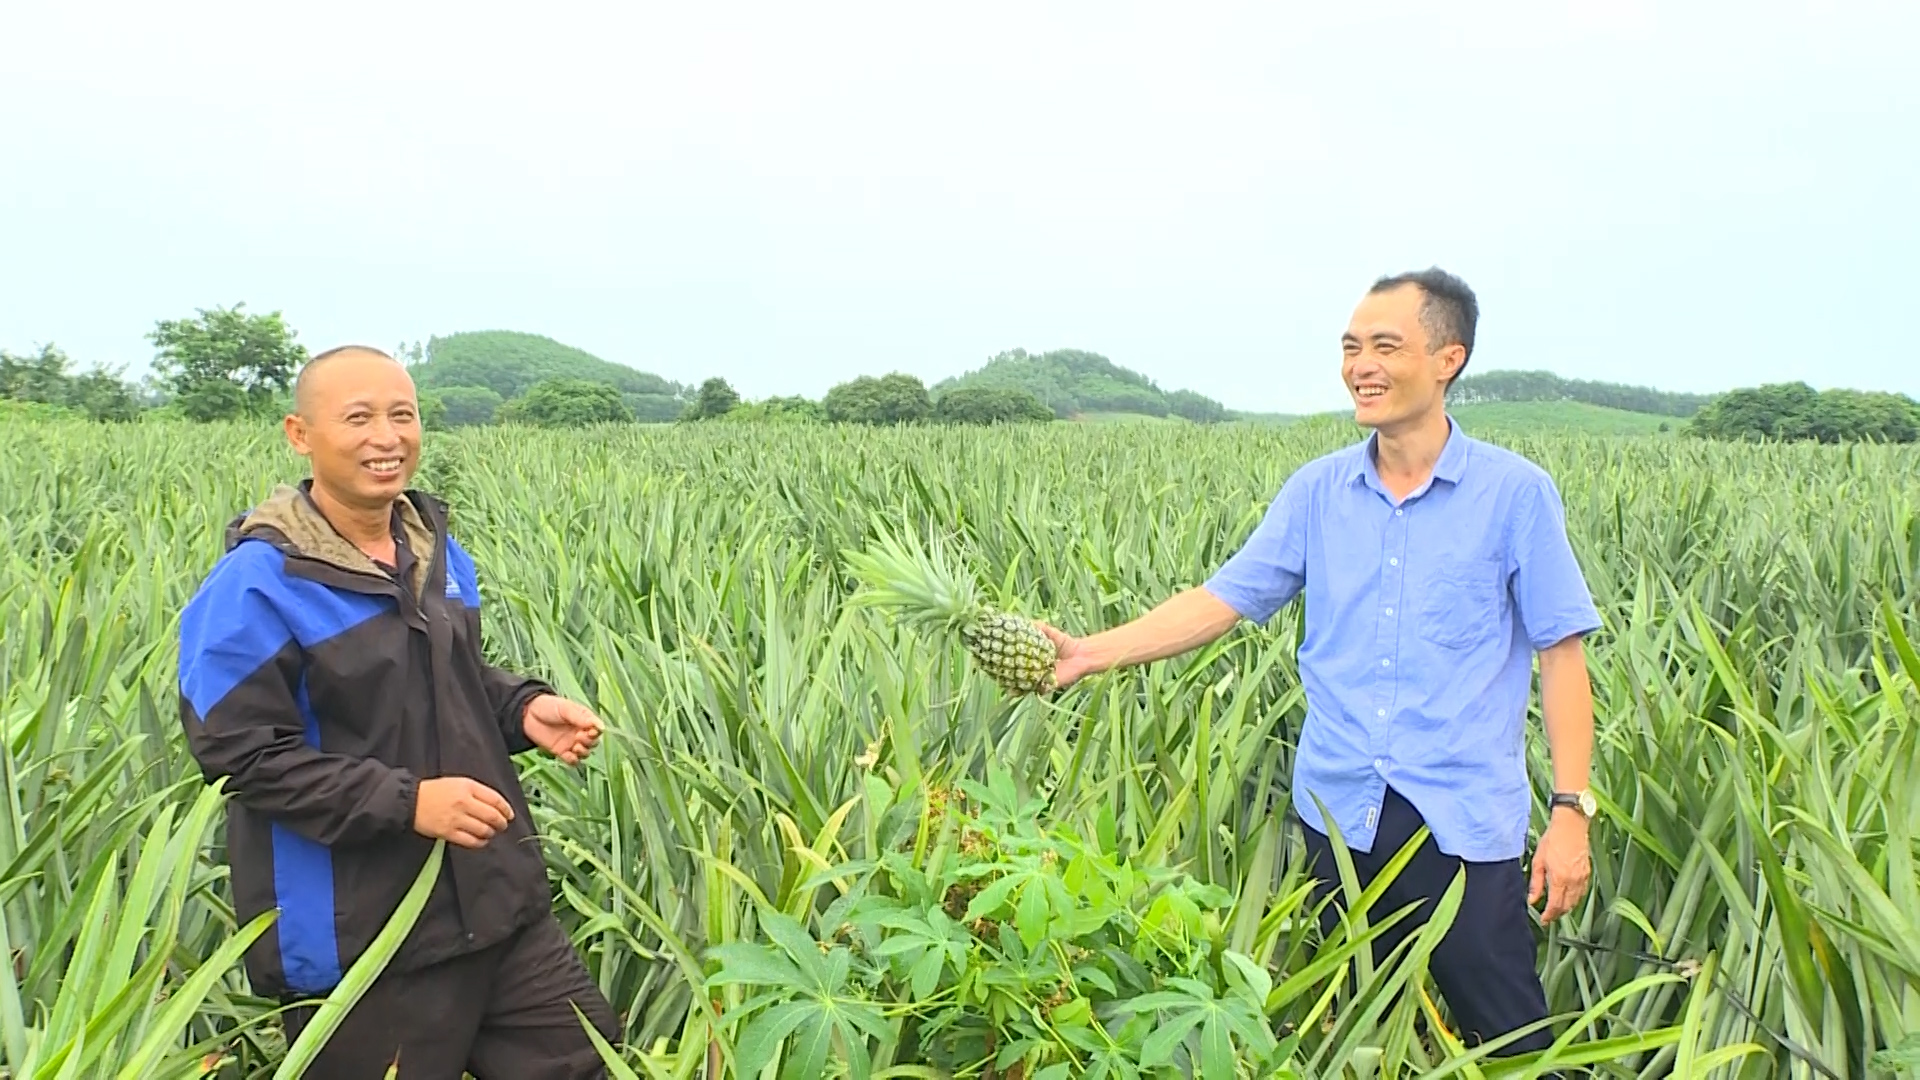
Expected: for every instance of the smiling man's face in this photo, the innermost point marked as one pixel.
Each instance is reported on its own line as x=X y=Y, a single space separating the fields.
x=357 y=421
x=1393 y=378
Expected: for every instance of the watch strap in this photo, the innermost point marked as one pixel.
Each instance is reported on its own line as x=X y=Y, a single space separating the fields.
x=1566 y=799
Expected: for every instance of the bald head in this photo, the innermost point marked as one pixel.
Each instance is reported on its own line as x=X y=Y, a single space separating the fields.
x=349 y=364
x=357 y=420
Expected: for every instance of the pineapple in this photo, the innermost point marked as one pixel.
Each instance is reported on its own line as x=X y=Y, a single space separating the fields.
x=927 y=593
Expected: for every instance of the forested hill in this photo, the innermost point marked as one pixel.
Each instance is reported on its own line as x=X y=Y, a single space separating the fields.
x=1072 y=382
x=1545 y=386
x=508 y=363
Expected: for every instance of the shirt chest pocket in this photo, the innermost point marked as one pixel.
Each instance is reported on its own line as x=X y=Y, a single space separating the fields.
x=1462 y=602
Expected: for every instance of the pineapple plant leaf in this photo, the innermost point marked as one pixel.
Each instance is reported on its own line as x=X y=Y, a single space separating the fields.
x=926 y=592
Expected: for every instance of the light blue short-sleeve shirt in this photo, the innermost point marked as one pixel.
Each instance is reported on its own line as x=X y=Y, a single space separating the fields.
x=1422 y=620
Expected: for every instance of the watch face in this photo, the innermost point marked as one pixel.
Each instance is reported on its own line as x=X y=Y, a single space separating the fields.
x=1588 y=804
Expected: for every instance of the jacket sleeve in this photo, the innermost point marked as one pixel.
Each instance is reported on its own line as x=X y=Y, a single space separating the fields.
x=243 y=707
x=509 y=694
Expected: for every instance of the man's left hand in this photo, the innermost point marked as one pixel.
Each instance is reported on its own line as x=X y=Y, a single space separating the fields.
x=566 y=729
x=1562 y=866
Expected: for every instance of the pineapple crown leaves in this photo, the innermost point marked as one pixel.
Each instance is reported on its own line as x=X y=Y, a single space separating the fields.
x=919 y=583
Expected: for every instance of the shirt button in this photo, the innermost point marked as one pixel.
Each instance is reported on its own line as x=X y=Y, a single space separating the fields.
x=1379 y=763
x=1398 y=513
x=1393 y=562
x=1379 y=712
x=1389 y=611
x=1386 y=663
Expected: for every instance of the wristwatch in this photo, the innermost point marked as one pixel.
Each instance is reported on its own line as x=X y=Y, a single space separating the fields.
x=1581 y=800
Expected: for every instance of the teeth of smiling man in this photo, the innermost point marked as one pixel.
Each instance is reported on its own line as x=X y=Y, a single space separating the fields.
x=386 y=468
x=1372 y=391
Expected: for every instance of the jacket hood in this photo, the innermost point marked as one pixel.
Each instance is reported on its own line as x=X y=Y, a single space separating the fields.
x=290 y=521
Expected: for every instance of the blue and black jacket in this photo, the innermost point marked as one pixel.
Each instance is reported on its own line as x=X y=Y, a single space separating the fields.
x=324 y=692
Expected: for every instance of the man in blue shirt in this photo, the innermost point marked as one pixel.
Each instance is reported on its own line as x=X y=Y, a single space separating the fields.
x=1435 y=567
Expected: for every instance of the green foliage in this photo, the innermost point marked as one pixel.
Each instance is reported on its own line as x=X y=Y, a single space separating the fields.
x=226 y=363
x=1518 y=386
x=716 y=399
x=46 y=379
x=1072 y=382
x=1795 y=412
x=103 y=395
x=653 y=408
x=34 y=411
x=895 y=398
x=990 y=405
x=981 y=939
x=433 y=412
x=467 y=405
x=1199 y=408
x=509 y=363
x=789 y=410
x=565 y=403
x=1755 y=696
x=1542 y=417
x=217 y=399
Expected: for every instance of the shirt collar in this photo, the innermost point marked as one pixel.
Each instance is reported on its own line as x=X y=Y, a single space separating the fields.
x=1450 y=467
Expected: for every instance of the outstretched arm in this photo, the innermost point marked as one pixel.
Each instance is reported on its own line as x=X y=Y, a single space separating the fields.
x=1268 y=571
x=1183 y=622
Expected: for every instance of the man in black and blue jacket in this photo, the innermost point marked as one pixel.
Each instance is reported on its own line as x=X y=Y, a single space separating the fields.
x=331 y=673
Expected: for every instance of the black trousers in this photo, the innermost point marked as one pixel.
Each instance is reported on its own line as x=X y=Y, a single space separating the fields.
x=504 y=1013
x=1485 y=966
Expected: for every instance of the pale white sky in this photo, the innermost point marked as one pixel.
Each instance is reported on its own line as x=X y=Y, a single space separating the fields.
x=1688 y=195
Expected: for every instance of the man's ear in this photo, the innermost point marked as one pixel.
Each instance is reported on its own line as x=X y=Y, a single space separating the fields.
x=296 y=431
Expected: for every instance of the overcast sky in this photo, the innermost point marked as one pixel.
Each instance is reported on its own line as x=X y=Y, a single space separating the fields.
x=1688 y=195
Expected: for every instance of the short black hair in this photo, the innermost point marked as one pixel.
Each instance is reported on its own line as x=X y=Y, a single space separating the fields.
x=1449 y=311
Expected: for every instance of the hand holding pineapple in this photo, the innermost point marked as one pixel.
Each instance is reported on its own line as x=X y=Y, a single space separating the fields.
x=1074 y=660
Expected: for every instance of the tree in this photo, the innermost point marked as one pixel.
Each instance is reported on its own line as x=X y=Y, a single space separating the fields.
x=42 y=377
x=890 y=399
x=990 y=405
x=791 y=410
x=556 y=403
x=433 y=412
x=103 y=395
x=653 y=408
x=211 y=400
x=1791 y=412
x=1196 y=407
x=46 y=378
x=468 y=405
x=222 y=349
x=1504 y=385
x=715 y=399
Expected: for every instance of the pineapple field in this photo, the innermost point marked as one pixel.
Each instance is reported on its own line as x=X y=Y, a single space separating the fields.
x=831 y=834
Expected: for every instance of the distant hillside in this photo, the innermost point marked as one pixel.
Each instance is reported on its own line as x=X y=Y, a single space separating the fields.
x=1514 y=386
x=508 y=362
x=1575 y=417
x=1520 y=418
x=1074 y=383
